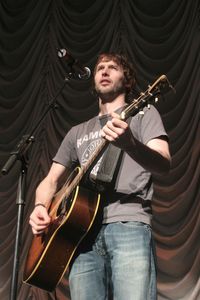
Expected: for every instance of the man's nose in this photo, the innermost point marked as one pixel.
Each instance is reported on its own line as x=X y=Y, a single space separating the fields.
x=105 y=72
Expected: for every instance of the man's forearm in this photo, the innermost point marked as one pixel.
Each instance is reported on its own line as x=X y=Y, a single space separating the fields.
x=150 y=159
x=45 y=192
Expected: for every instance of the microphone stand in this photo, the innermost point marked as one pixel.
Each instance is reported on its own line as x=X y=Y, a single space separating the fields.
x=20 y=154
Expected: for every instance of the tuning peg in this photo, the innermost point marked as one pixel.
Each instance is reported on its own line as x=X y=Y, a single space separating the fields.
x=156 y=99
x=141 y=112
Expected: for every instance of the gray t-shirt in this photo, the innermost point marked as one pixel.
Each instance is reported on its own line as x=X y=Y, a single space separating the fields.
x=131 y=198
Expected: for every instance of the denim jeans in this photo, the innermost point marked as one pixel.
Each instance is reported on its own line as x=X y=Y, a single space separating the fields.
x=121 y=262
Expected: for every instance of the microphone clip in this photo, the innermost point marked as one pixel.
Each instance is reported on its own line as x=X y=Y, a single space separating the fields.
x=76 y=70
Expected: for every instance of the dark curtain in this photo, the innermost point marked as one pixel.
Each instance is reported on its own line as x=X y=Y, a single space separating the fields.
x=161 y=37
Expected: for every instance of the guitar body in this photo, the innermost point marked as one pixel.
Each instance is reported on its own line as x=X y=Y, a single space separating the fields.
x=51 y=253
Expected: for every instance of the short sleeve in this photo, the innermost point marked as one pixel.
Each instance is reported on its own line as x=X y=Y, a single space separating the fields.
x=151 y=125
x=66 y=154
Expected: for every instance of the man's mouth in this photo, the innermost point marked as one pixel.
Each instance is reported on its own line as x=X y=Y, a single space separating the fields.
x=105 y=82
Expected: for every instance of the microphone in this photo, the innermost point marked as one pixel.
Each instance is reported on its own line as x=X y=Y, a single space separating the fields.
x=76 y=69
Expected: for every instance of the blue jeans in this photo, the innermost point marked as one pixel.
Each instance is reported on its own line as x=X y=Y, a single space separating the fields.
x=121 y=262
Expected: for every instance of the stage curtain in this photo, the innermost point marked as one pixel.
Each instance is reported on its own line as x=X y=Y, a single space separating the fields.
x=160 y=37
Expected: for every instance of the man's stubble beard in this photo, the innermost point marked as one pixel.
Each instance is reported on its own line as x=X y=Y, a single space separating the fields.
x=110 y=95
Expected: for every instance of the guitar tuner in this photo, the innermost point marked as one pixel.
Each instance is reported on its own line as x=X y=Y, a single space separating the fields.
x=141 y=112
x=156 y=99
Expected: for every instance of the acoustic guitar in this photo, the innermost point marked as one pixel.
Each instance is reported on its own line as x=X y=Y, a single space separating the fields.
x=51 y=253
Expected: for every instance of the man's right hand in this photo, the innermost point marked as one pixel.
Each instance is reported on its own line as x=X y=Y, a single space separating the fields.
x=39 y=220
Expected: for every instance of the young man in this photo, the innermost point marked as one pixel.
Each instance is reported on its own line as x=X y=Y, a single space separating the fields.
x=122 y=255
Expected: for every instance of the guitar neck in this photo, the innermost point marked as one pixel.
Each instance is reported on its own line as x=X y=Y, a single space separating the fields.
x=145 y=99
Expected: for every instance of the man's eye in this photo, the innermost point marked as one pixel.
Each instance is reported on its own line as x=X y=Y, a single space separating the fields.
x=100 y=68
x=113 y=67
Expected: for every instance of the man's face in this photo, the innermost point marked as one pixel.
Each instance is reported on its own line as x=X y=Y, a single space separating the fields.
x=109 y=79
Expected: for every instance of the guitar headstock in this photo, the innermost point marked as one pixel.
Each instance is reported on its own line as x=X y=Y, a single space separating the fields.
x=150 y=96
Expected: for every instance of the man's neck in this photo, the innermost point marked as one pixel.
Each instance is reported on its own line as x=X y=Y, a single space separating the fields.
x=106 y=107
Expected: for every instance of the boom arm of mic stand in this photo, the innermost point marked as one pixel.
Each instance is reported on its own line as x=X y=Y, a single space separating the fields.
x=17 y=154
